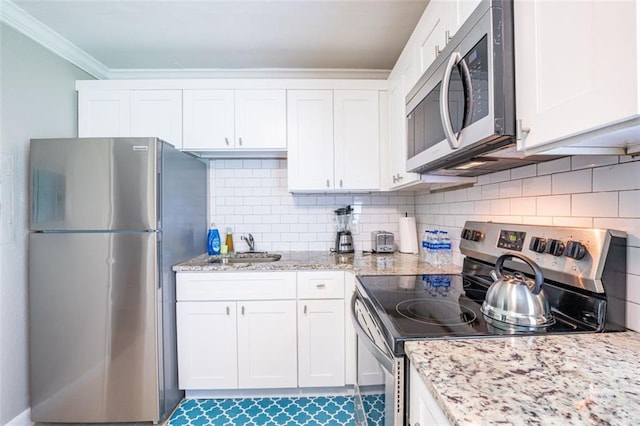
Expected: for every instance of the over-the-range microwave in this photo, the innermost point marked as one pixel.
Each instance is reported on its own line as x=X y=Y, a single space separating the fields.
x=449 y=132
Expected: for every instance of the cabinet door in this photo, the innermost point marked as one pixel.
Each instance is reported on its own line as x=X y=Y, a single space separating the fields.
x=157 y=113
x=261 y=119
x=423 y=408
x=321 y=355
x=267 y=353
x=430 y=33
x=310 y=144
x=462 y=10
x=207 y=345
x=356 y=140
x=576 y=66
x=208 y=119
x=103 y=113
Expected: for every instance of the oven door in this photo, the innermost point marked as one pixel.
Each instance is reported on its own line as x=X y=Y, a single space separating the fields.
x=370 y=338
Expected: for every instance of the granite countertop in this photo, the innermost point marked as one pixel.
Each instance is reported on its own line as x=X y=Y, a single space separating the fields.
x=578 y=379
x=360 y=263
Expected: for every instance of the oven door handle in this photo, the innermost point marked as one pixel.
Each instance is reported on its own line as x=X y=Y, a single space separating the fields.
x=384 y=356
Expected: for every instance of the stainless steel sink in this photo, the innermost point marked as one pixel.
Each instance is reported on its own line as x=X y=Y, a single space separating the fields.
x=247 y=257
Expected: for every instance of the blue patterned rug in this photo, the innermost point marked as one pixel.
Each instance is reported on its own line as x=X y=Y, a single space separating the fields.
x=307 y=411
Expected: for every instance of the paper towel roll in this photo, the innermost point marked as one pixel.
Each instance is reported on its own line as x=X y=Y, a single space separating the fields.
x=408 y=235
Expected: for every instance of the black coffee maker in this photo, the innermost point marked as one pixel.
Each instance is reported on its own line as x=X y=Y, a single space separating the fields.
x=343 y=222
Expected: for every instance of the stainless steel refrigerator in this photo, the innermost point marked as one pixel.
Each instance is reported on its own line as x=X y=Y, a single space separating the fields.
x=109 y=217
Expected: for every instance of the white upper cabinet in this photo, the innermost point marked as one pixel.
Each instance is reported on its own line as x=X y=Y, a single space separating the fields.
x=103 y=113
x=577 y=75
x=157 y=113
x=261 y=119
x=234 y=119
x=126 y=113
x=431 y=33
x=208 y=118
x=334 y=142
x=356 y=139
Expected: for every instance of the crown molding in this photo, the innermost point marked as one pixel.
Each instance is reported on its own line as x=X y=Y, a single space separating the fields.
x=20 y=20
x=249 y=73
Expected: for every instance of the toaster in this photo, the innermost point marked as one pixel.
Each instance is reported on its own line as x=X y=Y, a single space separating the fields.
x=382 y=242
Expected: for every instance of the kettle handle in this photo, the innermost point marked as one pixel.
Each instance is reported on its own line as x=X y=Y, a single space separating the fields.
x=539 y=277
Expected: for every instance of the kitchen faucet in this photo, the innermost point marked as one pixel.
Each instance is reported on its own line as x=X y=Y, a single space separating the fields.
x=249 y=240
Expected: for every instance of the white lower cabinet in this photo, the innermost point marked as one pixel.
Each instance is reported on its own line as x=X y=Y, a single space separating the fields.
x=424 y=410
x=260 y=330
x=267 y=344
x=207 y=345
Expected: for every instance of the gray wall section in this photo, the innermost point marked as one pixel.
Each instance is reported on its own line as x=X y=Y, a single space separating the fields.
x=38 y=100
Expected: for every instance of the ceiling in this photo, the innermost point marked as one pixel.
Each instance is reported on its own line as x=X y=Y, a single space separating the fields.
x=211 y=34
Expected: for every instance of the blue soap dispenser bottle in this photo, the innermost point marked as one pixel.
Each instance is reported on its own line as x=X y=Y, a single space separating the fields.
x=213 y=241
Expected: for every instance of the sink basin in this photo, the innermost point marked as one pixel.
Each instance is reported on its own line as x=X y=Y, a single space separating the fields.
x=247 y=257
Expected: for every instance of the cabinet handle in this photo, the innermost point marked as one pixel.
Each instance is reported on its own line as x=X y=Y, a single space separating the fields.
x=400 y=177
x=438 y=50
x=395 y=179
x=305 y=309
x=321 y=285
x=240 y=141
x=228 y=310
x=327 y=183
x=447 y=36
x=243 y=310
x=340 y=183
x=226 y=140
x=521 y=132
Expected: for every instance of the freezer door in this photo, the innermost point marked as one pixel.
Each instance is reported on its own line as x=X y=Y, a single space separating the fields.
x=93 y=327
x=94 y=184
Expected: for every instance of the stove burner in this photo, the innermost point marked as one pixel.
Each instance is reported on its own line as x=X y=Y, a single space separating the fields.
x=436 y=312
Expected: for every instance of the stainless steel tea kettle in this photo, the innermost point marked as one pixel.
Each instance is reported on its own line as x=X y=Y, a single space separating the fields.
x=515 y=299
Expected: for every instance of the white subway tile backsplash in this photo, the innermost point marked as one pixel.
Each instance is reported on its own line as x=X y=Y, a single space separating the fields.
x=598 y=204
x=502 y=176
x=523 y=206
x=580 y=222
x=617 y=177
x=524 y=172
x=553 y=205
x=511 y=189
x=633 y=316
x=500 y=207
x=554 y=166
x=540 y=185
x=491 y=191
x=482 y=207
x=591 y=161
x=474 y=193
x=571 y=182
x=538 y=220
x=633 y=288
x=629 y=204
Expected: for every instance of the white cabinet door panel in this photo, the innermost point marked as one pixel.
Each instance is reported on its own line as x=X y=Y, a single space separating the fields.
x=261 y=119
x=356 y=139
x=207 y=345
x=267 y=344
x=208 y=119
x=310 y=139
x=157 y=113
x=321 y=344
x=103 y=113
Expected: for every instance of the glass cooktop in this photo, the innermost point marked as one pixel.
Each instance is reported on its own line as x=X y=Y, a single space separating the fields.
x=418 y=307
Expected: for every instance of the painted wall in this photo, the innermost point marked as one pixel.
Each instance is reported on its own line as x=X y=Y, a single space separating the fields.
x=38 y=100
x=251 y=196
x=592 y=192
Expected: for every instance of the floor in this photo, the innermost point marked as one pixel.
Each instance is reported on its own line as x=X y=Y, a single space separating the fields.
x=298 y=411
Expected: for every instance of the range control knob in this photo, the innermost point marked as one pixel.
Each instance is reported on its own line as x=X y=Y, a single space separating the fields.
x=575 y=250
x=538 y=244
x=555 y=247
x=471 y=235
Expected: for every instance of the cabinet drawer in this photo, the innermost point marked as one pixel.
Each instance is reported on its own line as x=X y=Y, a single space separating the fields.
x=321 y=285
x=235 y=285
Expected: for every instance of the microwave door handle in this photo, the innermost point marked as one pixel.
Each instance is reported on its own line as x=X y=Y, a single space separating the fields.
x=445 y=117
x=468 y=91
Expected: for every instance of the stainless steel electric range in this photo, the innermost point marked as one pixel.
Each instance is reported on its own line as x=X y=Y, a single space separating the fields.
x=584 y=282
